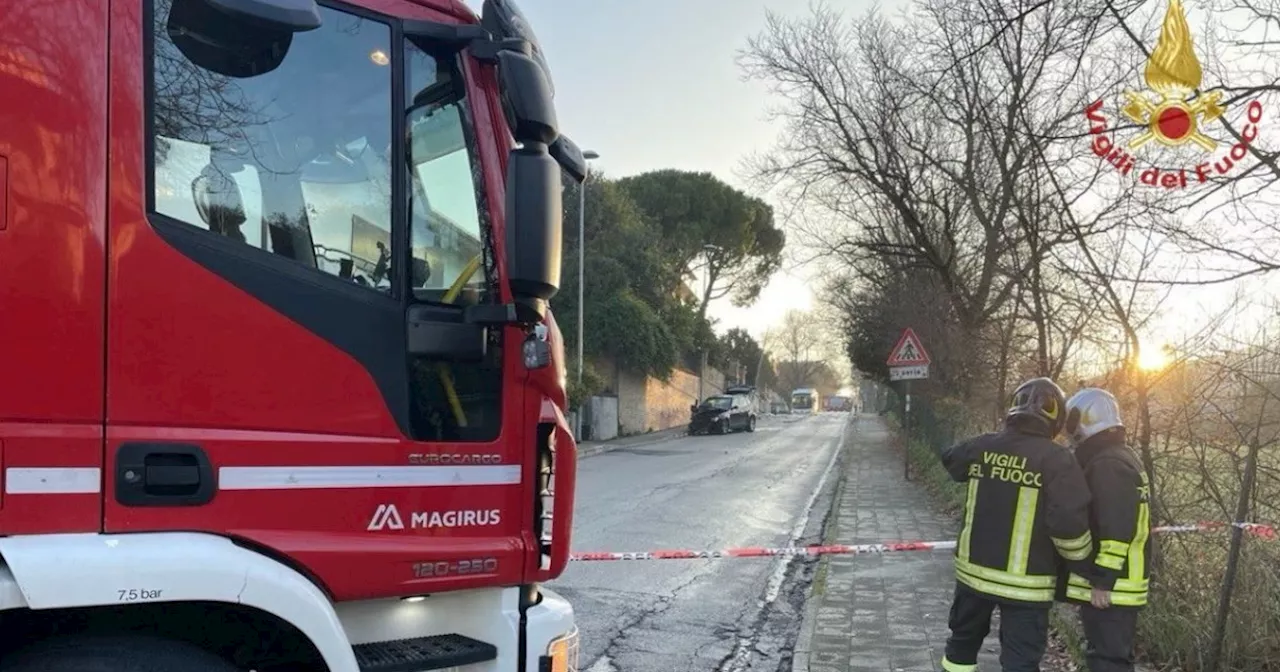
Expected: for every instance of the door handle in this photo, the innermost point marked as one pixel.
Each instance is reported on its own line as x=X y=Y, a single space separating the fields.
x=163 y=474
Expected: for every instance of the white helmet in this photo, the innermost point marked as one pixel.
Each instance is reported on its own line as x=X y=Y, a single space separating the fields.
x=1089 y=412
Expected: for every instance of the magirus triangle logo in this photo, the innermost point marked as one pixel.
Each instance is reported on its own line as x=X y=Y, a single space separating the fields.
x=1162 y=130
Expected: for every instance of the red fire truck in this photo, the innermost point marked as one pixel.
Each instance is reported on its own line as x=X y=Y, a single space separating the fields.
x=280 y=387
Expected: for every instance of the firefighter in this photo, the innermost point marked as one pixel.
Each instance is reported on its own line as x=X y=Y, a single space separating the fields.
x=1027 y=505
x=1111 y=588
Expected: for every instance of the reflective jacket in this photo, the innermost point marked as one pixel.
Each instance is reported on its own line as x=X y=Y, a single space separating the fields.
x=1119 y=520
x=1027 y=505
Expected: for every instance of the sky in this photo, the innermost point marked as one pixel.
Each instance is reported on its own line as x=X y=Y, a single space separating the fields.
x=654 y=84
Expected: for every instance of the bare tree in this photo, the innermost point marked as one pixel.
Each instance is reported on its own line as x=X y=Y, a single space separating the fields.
x=945 y=170
x=916 y=146
x=802 y=348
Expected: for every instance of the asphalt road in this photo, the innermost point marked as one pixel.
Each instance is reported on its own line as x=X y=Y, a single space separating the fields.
x=768 y=488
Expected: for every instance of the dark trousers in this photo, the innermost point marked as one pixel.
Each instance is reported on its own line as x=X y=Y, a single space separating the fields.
x=1110 y=634
x=1024 y=633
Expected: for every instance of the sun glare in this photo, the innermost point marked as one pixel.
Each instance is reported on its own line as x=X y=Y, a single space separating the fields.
x=1153 y=357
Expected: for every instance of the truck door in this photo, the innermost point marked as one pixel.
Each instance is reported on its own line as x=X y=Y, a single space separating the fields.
x=53 y=158
x=265 y=249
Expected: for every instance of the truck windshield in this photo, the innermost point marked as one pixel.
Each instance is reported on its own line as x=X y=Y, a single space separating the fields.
x=801 y=401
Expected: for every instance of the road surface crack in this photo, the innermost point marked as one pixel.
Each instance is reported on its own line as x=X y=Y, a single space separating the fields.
x=779 y=609
x=605 y=662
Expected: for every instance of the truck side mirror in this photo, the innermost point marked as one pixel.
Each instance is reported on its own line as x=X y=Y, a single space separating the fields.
x=526 y=98
x=567 y=153
x=534 y=225
x=504 y=20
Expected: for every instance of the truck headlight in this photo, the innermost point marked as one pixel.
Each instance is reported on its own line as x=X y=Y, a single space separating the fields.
x=537 y=354
x=562 y=653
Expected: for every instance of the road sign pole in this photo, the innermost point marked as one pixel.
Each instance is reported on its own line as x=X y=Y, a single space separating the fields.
x=908 y=361
x=906 y=430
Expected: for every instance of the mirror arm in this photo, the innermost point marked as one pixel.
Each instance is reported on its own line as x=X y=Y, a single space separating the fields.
x=486 y=49
x=569 y=156
x=499 y=314
x=455 y=36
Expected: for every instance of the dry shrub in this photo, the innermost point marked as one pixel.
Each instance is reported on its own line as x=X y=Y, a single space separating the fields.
x=1176 y=628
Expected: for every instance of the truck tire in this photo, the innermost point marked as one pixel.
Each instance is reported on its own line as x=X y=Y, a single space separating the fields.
x=126 y=653
x=751 y=424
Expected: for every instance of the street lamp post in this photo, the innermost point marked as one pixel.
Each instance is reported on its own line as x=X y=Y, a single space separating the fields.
x=582 y=244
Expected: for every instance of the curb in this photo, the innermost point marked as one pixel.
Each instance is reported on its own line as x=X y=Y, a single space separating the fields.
x=593 y=449
x=804 y=641
x=809 y=620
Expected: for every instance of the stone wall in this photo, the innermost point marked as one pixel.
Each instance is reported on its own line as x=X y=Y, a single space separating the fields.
x=648 y=404
x=667 y=402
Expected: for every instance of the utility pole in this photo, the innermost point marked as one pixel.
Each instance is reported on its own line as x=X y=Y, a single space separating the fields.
x=582 y=246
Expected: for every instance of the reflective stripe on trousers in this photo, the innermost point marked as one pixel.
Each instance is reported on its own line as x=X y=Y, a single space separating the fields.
x=957 y=667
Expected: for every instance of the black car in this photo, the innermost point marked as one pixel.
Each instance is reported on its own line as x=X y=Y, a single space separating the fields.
x=722 y=414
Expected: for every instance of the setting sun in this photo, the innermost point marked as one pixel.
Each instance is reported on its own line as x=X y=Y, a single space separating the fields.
x=1153 y=357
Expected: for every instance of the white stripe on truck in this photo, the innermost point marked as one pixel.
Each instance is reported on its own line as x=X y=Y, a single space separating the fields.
x=299 y=478
x=88 y=480
x=52 y=480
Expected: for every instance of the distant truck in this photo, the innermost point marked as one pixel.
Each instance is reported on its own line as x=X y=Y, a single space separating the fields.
x=804 y=400
x=837 y=404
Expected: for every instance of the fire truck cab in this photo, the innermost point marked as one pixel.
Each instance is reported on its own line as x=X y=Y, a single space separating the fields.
x=281 y=390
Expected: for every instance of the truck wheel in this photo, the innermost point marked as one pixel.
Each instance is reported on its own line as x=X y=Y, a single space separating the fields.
x=114 y=654
x=751 y=424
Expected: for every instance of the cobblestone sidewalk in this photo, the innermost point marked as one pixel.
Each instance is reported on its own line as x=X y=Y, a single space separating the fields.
x=882 y=612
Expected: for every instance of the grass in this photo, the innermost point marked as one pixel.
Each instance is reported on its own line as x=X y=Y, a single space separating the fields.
x=1198 y=479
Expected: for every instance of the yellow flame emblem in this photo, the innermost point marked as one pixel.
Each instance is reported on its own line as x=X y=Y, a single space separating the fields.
x=1173 y=72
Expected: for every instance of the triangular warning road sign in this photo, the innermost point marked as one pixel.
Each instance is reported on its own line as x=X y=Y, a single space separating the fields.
x=908 y=351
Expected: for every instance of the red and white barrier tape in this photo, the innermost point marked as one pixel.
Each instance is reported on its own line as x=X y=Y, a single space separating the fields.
x=1256 y=529
x=1262 y=530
